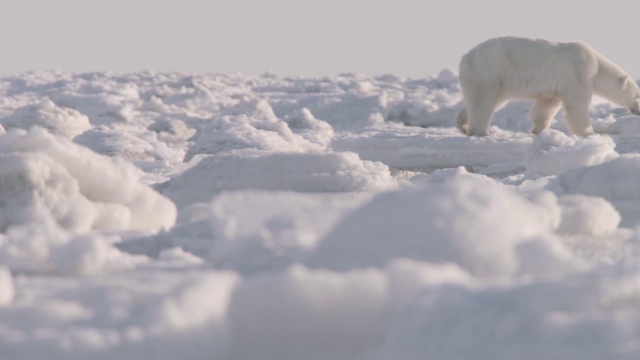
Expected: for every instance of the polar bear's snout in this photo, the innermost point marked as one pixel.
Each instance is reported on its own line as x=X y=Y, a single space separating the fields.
x=635 y=107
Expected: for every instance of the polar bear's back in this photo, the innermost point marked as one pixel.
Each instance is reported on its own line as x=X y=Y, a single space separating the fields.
x=527 y=68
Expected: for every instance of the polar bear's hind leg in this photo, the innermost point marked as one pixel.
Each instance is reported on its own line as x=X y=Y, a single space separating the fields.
x=542 y=112
x=480 y=111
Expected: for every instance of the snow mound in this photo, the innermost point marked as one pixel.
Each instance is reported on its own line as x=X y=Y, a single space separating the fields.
x=446 y=175
x=113 y=143
x=210 y=294
x=616 y=181
x=477 y=225
x=552 y=152
x=103 y=99
x=545 y=320
x=626 y=127
x=305 y=172
x=245 y=132
x=586 y=215
x=252 y=107
x=305 y=314
x=356 y=108
x=172 y=130
x=282 y=228
x=137 y=315
x=306 y=125
x=47 y=248
x=46 y=177
x=58 y=120
x=409 y=278
x=427 y=103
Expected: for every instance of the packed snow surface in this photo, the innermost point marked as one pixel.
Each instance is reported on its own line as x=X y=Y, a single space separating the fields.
x=177 y=216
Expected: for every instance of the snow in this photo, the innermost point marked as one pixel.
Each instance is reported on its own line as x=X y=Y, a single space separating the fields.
x=614 y=181
x=7 y=290
x=587 y=215
x=48 y=177
x=426 y=150
x=304 y=172
x=530 y=320
x=301 y=311
x=444 y=223
x=170 y=215
x=553 y=152
x=62 y=121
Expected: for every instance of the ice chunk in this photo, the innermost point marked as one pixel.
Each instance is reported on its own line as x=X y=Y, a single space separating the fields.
x=48 y=177
x=475 y=224
x=615 y=181
x=552 y=152
x=58 y=120
x=243 y=132
x=306 y=172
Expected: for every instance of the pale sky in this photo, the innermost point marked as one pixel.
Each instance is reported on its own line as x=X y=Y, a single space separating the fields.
x=296 y=37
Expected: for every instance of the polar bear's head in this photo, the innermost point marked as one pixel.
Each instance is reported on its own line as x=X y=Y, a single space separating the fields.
x=635 y=107
x=630 y=94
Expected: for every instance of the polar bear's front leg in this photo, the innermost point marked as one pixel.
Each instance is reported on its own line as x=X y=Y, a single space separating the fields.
x=461 y=120
x=577 y=114
x=542 y=111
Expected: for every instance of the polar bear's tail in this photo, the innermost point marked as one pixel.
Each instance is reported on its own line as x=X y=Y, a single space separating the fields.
x=461 y=120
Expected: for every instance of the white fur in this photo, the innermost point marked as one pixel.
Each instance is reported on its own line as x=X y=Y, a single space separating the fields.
x=550 y=73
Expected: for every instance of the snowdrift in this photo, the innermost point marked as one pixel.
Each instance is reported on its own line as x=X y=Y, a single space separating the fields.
x=486 y=229
x=615 y=181
x=47 y=178
x=307 y=172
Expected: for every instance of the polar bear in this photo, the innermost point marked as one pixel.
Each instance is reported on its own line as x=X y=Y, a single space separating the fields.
x=553 y=74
